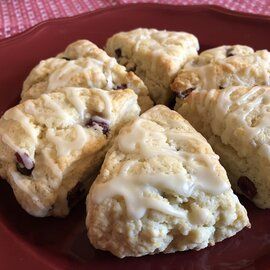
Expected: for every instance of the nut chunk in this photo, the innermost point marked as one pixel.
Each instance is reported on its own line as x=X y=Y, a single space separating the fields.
x=161 y=189
x=155 y=56
x=48 y=150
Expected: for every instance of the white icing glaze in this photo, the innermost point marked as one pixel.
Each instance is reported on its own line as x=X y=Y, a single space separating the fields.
x=246 y=106
x=237 y=76
x=132 y=188
x=17 y=180
x=100 y=119
x=7 y=140
x=199 y=173
x=17 y=115
x=95 y=72
x=107 y=112
x=27 y=161
x=234 y=113
x=62 y=75
x=51 y=104
x=50 y=163
x=109 y=81
x=109 y=65
x=137 y=140
x=56 y=111
x=65 y=147
x=73 y=95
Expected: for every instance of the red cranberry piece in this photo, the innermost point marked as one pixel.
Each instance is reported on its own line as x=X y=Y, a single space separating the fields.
x=247 y=187
x=184 y=94
x=96 y=120
x=121 y=86
x=229 y=52
x=25 y=165
x=118 y=53
x=75 y=195
x=172 y=101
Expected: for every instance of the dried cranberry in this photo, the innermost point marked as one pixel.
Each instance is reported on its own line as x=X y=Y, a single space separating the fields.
x=118 y=53
x=66 y=58
x=184 y=94
x=75 y=195
x=247 y=187
x=121 y=86
x=25 y=165
x=171 y=102
x=229 y=52
x=96 y=120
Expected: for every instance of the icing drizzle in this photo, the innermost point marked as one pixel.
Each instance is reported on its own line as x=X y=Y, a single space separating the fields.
x=64 y=146
x=96 y=73
x=256 y=64
x=198 y=172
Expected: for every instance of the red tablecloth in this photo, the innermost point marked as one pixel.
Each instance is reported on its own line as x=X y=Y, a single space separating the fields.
x=18 y=15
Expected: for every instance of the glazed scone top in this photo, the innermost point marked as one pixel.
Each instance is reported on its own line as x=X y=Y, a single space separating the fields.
x=148 y=147
x=48 y=134
x=223 y=67
x=83 y=64
x=165 y=51
x=83 y=48
x=239 y=115
x=221 y=53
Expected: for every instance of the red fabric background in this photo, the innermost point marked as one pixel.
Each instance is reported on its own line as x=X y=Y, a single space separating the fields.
x=18 y=15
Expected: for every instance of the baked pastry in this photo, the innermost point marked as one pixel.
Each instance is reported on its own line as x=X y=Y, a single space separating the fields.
x=155 y=56
x=51 y=147
x=221 y=53
x=161 y=189
x=223 y=67
x=236 y=123
x=83 y=64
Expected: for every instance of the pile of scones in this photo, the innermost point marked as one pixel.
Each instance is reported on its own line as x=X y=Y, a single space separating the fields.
x=98 y=123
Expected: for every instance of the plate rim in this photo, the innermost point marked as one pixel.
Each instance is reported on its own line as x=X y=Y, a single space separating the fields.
x=195 y=8
x=215 y=9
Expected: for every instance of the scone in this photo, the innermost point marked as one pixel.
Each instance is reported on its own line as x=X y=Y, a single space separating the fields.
x=155 y=56
x=51 y=147
x=161 y=189
x=236 y=122
x=222 y=67
x=83 y=64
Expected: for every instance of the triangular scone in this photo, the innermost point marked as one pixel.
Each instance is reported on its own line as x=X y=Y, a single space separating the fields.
x=222 y=67
x=51 y=147
x=236 y=122
x=83 y=64
x=161 y=189
x=155 y=56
